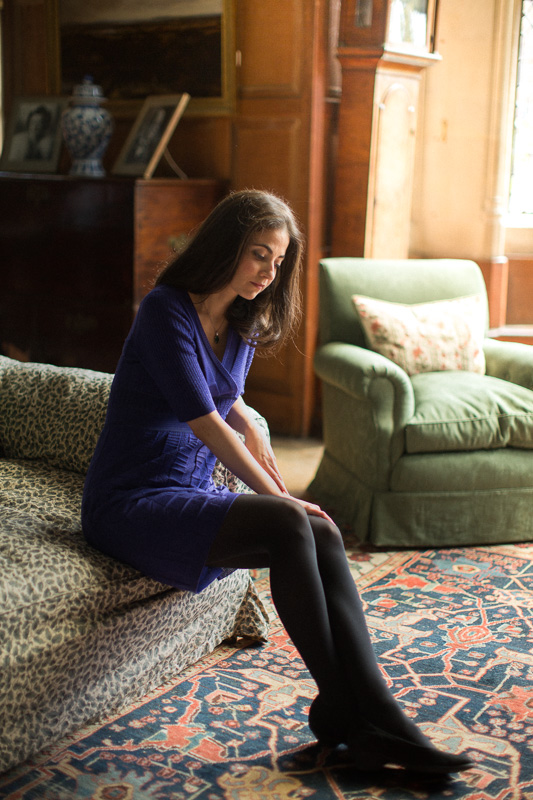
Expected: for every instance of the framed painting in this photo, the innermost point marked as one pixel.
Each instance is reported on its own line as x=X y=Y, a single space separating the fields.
x=149 y=137
x=33 y=136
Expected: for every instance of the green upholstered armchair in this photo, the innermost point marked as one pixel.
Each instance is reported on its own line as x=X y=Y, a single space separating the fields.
x=433 y=459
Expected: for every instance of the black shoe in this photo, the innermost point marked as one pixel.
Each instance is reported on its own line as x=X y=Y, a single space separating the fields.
x=326 y=726
x=373 y=748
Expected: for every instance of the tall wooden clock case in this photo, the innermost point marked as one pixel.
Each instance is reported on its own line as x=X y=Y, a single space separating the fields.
x=384 y=48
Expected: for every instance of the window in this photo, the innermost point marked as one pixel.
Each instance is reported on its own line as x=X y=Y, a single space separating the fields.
x=521 y=186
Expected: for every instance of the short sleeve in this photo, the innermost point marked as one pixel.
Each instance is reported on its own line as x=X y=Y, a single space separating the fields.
x=163 y=339
x=249 y=358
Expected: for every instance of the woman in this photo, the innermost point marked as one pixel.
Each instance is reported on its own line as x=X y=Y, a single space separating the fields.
x=175 y=403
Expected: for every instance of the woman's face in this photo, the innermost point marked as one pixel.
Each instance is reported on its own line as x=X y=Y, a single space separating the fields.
x=36 y=126
x=260 y=261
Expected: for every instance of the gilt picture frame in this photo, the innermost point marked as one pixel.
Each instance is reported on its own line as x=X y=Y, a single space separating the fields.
x=150 y=134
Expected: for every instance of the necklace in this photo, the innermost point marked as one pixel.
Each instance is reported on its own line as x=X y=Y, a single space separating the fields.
x=216 y=337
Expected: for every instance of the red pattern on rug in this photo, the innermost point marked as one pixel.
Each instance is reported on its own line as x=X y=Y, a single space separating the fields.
x=453 y=630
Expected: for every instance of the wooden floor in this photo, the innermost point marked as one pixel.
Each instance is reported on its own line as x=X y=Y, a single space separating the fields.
x=298 y=460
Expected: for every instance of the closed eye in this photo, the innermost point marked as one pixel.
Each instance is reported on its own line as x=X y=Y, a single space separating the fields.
x=261 y=256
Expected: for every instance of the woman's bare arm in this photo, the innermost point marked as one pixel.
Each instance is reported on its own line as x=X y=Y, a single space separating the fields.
x=256 y=441
x=219 y=437
x=233 y=453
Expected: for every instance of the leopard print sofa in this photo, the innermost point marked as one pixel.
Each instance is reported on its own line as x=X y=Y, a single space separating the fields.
x=81 y=634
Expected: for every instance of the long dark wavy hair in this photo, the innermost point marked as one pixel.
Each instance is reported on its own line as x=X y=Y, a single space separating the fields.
x=212 y=255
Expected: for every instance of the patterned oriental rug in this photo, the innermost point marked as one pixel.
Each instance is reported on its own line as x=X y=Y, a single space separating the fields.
x=454 y=633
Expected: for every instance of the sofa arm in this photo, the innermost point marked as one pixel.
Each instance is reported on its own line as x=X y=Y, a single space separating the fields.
x=509 y=361
x=360 y=372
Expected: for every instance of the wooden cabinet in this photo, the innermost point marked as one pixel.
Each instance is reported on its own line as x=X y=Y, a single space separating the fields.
x=164 y=211
x=77 y=255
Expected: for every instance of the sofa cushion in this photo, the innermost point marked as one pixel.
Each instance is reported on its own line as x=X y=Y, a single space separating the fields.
x=45 y=492
x=51 y=413
x=466 y=411
x=426 y=337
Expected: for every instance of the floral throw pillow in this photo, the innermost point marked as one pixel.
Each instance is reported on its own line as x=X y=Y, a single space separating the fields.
x=426 y=337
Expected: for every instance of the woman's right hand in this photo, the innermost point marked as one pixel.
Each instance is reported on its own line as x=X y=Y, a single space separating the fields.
x=312 y=509
x=261 y=449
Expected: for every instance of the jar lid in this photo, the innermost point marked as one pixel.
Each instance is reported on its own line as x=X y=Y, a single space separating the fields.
x=88 y=89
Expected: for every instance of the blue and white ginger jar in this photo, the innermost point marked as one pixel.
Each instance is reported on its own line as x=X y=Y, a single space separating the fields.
x=87 y=129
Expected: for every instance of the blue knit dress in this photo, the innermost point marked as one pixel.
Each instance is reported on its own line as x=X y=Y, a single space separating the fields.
x=149 y=498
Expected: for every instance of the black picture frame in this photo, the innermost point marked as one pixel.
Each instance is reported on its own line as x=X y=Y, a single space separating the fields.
x=33 y=135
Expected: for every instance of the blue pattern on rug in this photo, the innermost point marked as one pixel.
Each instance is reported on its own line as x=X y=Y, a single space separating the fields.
x=453 y=630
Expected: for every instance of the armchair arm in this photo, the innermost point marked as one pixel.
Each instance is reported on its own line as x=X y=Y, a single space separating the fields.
x=367 y=401
x=509 y=361
x=360 y=372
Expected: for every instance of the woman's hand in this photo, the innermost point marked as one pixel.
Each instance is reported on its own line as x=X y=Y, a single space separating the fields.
x=259 y=446
x=253 y=461
x=312 y=509
x=256 y=442
x=219 y=437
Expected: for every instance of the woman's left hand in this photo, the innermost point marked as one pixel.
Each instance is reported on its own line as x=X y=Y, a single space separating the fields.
x=259 y=446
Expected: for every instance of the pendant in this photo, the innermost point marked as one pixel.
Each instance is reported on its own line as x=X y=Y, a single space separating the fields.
x=217 y=337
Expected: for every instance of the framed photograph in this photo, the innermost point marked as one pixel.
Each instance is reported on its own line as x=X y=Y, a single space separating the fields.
x=150 y=135
x=33 y=136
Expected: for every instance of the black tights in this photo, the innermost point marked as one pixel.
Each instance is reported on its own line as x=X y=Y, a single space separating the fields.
x=315 y=597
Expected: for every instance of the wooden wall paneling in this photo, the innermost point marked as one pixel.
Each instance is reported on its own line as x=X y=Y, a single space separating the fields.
x=267 y=154
x=271 y=39
x=268 y=388
x=30 y=49
x=279 y=132
x=202 y=146
x=278 y=408
x=325 y=84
